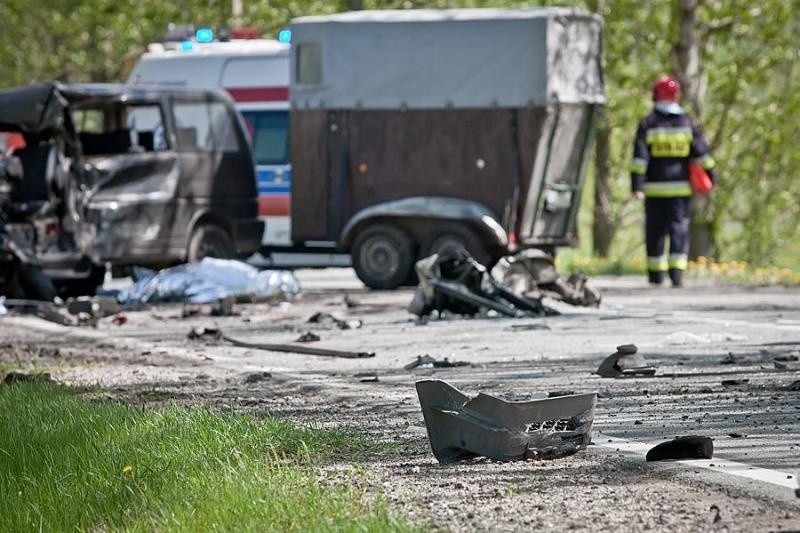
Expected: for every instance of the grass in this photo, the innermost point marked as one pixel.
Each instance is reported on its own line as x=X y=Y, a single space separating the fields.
x=71 y=463
x=738 y=272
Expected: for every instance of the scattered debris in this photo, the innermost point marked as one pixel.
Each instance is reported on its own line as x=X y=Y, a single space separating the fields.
x=427 y=360
x=786 y=358
x=328 y=319
x=210 y=281
x=257 y=377
x=734 y=382
x=625 y=362
x=97 y=306
x=717 y=516
x=119 y=319
x=367 y=377
x=460 y=427
x=533 y=272
x=737 y=435
x=308 y=336
x=453 y=281
x=729 y=359
x=22 y=377
x=215 y=333
x=529 y=327
x=45 y=310
x=690 y=447
x=224 y=307
x=559 y=393
x=795 y=385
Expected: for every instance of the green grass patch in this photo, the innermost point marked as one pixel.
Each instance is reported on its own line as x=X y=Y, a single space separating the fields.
x=68 y=462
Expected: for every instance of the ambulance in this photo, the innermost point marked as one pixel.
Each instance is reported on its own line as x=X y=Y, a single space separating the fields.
x=255 y=72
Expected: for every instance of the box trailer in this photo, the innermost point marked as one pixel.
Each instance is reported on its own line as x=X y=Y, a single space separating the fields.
x=417 y=130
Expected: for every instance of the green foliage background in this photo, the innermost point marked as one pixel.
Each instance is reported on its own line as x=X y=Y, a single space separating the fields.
x=750 y=110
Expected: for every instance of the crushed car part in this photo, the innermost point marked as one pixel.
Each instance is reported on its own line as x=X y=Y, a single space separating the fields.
x=424 y=360
x=626 y=361
x=533 y=272
x=216 y=333
x=453 y=281
x=460 y=427
x=690 y=447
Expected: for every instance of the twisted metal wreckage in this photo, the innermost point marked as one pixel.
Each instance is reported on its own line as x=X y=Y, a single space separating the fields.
x=454 y=281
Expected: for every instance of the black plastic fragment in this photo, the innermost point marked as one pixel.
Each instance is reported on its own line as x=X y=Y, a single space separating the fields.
x=690 y=447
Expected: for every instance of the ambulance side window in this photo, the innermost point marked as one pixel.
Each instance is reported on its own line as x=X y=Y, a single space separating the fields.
x=269 y=131
x=205 y=127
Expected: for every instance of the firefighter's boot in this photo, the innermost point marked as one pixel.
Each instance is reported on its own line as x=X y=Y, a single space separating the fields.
x=676 y=276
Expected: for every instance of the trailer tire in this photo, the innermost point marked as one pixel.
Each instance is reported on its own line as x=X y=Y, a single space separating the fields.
x=450 y=236
x=383 y=256
x=210 y=240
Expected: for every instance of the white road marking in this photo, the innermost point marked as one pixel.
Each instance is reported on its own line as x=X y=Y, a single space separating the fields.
x=763 y=475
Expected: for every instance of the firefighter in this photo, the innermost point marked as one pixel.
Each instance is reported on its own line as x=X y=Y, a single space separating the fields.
x=667 y=141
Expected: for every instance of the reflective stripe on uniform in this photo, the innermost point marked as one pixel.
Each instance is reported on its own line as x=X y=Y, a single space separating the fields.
x=657 y=264
x=706 y=161
x=667 y=189
x=669 y=141
x=678 y=261
x=639 y=165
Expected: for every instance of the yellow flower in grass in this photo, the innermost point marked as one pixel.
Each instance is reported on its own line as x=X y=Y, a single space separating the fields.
x=127 y=469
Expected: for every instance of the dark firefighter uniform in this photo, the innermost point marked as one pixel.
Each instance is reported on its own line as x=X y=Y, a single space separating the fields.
x=666 y=142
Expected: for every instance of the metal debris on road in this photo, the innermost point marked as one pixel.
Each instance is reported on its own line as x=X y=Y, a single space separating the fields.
x=734 y=382
x=427 y=360
x=625 y=362
x=460 y=427
x=689 y=447
x=529 y=327
x=97 y=306
x=454 y=282
x=533 y=272
x=367 y=377
x=327 y=319
x=308 y=336
x=215 y=333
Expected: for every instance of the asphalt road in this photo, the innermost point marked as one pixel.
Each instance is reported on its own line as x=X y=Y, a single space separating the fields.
x=696 y=336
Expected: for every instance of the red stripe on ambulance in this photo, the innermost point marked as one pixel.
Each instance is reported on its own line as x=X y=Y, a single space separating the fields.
x=274 y=206
x=259 y=94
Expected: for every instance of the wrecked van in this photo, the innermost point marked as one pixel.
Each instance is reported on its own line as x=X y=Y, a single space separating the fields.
x=133 y=176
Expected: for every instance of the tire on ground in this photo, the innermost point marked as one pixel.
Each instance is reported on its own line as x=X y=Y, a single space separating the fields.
x=210 y=240
x=452 y=235
x=383 y=256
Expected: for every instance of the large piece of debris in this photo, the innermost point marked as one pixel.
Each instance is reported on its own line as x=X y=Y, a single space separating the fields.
x=691 y=447
x=217 y=334
x=210 y=281
x=533 y=272
x=625 y=362
x=460 y=427
x=453 y=281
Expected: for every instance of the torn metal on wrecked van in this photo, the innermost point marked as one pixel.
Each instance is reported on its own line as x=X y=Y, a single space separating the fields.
x=460 y=427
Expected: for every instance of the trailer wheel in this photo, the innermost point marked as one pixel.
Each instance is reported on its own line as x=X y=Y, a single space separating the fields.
x=383 y=256
x=450 y=236
x=210 y=240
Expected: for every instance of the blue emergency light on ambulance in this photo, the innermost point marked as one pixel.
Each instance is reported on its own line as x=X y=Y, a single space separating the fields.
x=204 y=35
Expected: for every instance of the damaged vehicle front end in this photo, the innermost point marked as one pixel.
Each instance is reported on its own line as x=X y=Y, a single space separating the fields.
x=147 y=176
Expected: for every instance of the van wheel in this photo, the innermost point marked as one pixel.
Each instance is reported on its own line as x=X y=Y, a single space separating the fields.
x=383 y=256
x=450 y=236
x=210 y=240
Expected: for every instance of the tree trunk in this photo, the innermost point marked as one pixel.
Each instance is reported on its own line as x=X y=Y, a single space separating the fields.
x=687 y=68
x=603 y=224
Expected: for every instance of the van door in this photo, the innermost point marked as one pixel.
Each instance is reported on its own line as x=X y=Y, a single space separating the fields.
x=217 y=173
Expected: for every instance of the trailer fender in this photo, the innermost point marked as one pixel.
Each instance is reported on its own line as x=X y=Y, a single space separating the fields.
x=430 y=207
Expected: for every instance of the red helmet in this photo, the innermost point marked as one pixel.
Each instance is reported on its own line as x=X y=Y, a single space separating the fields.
x=666 y=88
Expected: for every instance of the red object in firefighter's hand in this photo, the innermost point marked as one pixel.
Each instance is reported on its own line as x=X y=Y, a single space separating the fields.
x=698 y=177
